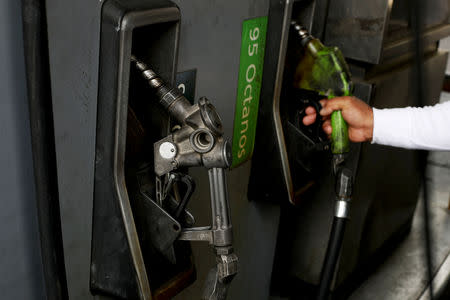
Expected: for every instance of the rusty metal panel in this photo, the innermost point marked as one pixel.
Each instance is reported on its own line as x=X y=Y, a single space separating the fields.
x=358 y=28
x=371 y=31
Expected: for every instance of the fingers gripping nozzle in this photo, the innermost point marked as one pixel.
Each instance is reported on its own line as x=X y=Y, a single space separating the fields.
x=324 y=70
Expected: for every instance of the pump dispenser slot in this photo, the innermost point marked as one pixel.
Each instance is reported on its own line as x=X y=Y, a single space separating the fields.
x=149 y=29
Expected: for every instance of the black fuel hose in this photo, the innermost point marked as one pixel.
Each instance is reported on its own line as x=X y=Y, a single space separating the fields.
x=343 y=189
x=331 y=257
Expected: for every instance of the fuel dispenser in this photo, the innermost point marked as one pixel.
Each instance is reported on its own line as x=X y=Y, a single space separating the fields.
x=307 y=174
x=324 y=71
x=131 y=151
x=148 y=136
x=312 y=72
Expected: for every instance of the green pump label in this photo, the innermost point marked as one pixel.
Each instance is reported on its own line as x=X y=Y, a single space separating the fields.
x=249 y=88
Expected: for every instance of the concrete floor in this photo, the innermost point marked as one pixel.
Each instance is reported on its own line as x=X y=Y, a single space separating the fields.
x=403 y=275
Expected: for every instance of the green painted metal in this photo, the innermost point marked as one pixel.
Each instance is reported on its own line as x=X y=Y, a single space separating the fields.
x=249 y=87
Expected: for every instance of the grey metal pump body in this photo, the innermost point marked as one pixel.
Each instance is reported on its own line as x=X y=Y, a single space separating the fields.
x=198 y=142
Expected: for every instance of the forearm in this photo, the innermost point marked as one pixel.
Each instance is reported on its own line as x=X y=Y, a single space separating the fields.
x=413 y=128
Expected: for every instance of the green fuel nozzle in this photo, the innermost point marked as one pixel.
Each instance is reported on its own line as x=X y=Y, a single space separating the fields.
x=323 y=70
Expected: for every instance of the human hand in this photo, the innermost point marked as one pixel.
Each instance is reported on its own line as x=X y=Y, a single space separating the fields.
x=357 y=114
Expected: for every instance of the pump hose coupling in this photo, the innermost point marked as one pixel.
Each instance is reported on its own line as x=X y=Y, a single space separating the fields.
x=170 y=98
x=302 y=33
x=344 y=189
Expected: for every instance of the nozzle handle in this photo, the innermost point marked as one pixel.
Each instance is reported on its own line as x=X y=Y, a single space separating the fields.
x=339 y=136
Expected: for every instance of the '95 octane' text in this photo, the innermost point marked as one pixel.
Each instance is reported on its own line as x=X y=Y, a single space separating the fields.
x=248 y=90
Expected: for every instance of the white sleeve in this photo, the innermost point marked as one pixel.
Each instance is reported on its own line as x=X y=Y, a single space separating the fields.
x=424 y=128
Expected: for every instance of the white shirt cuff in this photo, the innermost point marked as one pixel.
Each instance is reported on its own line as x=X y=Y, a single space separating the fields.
x=391 y=127
x=413 y=127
